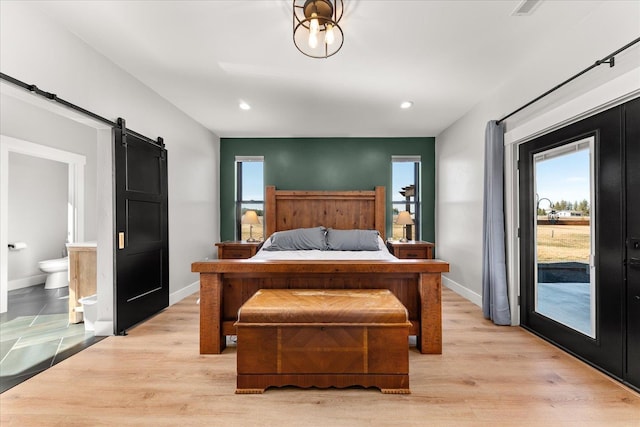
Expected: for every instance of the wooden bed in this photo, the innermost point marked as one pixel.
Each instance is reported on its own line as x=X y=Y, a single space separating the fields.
x=226 y=284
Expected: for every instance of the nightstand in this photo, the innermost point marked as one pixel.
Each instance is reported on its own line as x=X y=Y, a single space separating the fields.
x=411 y=249
x=237 y=249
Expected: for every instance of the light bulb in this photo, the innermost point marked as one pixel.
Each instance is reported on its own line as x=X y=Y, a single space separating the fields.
x=329 y=37
x=313 y=40
x=314 y=25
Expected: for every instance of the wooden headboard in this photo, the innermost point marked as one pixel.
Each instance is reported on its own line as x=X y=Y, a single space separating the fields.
x=344 y=210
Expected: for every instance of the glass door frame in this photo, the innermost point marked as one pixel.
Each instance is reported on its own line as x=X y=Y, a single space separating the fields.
x=557 y=151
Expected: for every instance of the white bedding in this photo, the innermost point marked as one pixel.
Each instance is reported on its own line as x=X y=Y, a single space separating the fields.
x=381 y=254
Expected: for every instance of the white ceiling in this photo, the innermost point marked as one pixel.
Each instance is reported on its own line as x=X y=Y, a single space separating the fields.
x=206 y=56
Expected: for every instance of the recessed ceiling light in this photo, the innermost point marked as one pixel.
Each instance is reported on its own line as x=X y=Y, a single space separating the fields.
x=244 y=106
x=406 y=104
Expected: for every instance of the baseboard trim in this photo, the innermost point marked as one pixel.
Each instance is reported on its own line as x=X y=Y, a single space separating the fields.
x=462 y=291
x=25 y=282
x=103 y=328
x=184 y=292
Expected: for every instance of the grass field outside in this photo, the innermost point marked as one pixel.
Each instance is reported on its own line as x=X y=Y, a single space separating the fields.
x=563 y=243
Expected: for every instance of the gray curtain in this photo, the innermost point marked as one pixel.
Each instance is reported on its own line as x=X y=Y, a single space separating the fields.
x=495 y=299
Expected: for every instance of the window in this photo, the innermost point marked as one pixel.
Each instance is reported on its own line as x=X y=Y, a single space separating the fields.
x=405 y=180
x=249 y=195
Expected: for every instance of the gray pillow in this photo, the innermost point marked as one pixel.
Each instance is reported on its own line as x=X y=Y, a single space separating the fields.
x=300 y=239
x=352 y=240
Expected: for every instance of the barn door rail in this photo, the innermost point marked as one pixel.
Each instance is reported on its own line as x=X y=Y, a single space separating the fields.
x=55 y=98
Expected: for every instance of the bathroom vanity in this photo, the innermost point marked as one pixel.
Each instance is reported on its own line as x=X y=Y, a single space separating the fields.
x=82 y=276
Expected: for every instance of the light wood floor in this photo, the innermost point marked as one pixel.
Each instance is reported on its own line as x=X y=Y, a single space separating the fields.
x=487 y=375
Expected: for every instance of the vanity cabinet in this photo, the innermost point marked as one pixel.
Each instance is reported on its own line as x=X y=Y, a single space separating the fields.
x=82 y=277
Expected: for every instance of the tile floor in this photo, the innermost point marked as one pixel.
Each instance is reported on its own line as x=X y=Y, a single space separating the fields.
x=35 y=334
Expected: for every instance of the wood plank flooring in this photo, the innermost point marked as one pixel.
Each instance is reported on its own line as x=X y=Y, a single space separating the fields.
x=487 y=375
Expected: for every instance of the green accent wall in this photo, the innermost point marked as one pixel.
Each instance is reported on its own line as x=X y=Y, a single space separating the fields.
x=327 y=164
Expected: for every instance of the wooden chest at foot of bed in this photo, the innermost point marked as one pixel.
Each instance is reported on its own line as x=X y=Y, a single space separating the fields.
x=323 y=338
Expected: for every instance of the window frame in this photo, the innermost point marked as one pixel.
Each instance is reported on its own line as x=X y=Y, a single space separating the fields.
x=239 y=201
x=416 y=203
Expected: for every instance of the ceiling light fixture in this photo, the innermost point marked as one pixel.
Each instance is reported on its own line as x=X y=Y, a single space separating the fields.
x=244 y=106
x=316 y=32
x=406 y=104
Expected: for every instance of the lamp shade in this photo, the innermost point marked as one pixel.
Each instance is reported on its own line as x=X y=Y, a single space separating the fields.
x=404 y=218
x=250 y=217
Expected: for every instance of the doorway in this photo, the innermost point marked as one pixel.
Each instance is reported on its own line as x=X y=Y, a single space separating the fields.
x=75 y=214
x=42 y=204
x=74 y=132
x=576 y=198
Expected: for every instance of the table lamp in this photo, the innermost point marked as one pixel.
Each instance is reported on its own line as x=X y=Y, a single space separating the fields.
x=251 y=218
x=404 y=219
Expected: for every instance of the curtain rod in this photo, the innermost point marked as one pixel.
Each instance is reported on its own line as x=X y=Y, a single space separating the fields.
x=609 y=59
x=53 y=97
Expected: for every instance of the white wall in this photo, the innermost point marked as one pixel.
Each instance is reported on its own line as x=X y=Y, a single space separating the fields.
x=18 y=119
x=460 y=148
x=36 y=50
x=37 y=213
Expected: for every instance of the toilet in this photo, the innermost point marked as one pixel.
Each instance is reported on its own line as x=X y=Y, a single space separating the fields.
x=58 y=274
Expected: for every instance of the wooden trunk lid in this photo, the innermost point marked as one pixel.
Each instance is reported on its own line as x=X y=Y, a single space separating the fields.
x=322 y=306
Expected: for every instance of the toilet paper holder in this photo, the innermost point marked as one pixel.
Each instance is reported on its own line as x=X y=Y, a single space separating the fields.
x=17 y=246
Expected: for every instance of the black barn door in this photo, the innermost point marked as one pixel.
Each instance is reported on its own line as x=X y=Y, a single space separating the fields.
x=142 y=241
